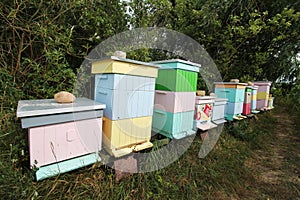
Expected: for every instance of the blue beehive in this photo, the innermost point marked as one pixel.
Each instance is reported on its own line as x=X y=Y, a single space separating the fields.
x=235 y=93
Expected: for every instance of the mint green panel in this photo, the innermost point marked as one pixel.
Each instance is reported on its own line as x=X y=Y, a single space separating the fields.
x=232 y=94
x=66 y=166
x=178 y=65
x=176 y=80
x=173 y=125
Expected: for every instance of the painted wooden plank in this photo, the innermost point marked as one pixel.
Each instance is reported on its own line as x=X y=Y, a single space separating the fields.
x=178 y=64
x=124 y=82
x=126 y=133
x=220 y=101
x=234 y=108
x=176 y=80
x=28 y=108
x=203 y=125
x=124 y=66
x=247 y=98
x=233 y=95
x=263 y=95
x=55 y=143
x=174 y=102
x=219 y=110
x=66 y=166
x=261 y=104
x=41 y=120
x=173 y=125
x=246 y=109
x=122 y=104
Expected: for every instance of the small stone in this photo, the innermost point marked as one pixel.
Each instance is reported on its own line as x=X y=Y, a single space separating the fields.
x=235 y=80
x=120 y=54
x=64 y=97
x=200 y=92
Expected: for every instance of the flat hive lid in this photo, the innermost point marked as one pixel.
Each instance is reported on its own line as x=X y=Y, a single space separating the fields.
x=262 y=83
x=187 y=65
x=114 y=58
x=230 y=83
x=28 y=108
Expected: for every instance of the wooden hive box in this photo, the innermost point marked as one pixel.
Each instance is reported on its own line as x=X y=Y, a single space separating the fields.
x=263 y=94
x=235 y=93
x=173 y=125
x=121 y=137
x=219 y=111
x=253 y=97
x=174 y=102
x=125 y=96
x=62 y=137
x=176 y=80
x=204 y=112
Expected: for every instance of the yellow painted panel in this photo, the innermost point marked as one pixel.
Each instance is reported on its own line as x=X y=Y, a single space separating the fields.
x=263 y=95
x=253 y=97
x=118 y=67
x=124 y=133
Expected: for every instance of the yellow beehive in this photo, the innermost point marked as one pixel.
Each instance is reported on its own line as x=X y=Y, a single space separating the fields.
x=121 y=137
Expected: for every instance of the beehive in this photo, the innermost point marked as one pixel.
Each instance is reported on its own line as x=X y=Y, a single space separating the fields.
x=219 y=111
x=127 y=88
x=175 y=86
x=62 y=137
x=254 y=99
x=204 y=112
x=247 y=101
x=263 y=94
x=235 y=93
x=270 y=103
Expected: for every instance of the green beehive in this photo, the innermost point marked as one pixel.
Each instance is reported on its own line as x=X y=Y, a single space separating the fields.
x=176 y=80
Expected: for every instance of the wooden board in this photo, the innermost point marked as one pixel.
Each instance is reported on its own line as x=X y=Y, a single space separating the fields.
x=178 y=64
x=28 y=108
x=114 y=65
x=41 y=120
x=66 y=166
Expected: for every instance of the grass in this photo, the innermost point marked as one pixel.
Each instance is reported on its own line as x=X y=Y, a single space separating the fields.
x=222 y=174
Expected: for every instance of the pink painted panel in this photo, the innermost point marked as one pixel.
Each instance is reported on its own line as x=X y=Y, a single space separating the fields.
x=174 y=102
x=263 y=86
x=55 y=143
x=261 y=104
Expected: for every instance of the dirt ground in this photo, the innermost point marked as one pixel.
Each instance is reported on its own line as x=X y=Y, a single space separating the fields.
x=276 y=169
